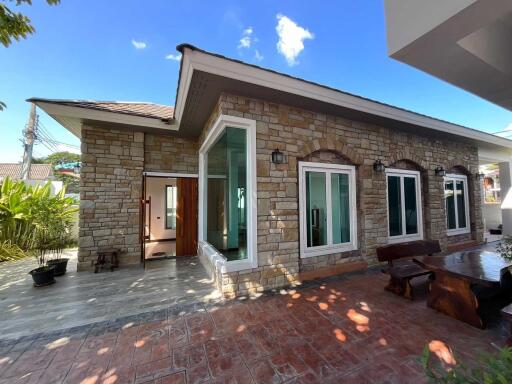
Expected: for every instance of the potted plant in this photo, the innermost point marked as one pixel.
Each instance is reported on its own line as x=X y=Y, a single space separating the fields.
x=44 y=274
x=504 y=248
x=57 y=261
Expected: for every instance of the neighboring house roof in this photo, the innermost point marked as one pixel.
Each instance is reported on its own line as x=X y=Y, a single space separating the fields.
x=37 y=171
x=141 y=109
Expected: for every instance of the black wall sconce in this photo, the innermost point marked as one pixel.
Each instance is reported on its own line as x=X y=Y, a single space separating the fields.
x=378 y=166
x=277 y=156
x=440 y=171
x=479 y=175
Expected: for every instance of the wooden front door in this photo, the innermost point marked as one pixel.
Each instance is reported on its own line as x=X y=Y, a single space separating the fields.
x=186 y=217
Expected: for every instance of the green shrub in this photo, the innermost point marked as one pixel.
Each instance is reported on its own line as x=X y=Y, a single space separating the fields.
x=32 y=219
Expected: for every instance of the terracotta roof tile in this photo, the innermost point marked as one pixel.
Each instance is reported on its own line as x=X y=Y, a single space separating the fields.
x=141 y=109
x=37 y=171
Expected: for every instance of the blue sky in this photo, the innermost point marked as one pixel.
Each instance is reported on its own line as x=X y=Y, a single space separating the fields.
x=117 y=49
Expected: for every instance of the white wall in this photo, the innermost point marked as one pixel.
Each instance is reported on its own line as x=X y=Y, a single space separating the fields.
x=155 y=187
x=408 y=20
x=491 y=214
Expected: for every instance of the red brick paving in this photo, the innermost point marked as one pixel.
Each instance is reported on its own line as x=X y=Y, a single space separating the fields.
x=343 y=330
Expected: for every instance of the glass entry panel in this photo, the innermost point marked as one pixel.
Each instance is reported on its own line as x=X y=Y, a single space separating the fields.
x=394 y=206
x=411 y=212
x=461 y=203
x=316 y=209
x=450 y=204
x=340 y=208
x=226 y=184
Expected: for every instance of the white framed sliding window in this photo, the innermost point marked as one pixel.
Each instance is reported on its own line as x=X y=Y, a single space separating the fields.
x=327 y=207
x=457 y=204
x=405 y=220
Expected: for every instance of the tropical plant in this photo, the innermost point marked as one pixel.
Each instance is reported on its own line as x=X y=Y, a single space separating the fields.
x=505 y=248
x=10 y=252
x=491 y=368
x=33 y=219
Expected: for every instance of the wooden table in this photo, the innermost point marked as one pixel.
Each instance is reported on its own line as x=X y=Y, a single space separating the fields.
x=452 y=290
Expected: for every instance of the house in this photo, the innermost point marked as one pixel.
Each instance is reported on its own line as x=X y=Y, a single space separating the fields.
x=271 y=178
x=39 y=174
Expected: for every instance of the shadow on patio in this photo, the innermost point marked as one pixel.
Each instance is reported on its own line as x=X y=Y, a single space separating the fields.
x=343 y=329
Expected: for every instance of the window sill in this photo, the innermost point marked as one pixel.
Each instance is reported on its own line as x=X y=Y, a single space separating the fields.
x=327 y=251
x=404 y=239
x=455 y=232
x=219 y=261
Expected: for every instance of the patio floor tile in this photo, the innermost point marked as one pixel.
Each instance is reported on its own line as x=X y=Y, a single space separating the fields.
x=344 y=329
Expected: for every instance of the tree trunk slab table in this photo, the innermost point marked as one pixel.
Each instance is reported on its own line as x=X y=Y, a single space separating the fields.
x=457 y=279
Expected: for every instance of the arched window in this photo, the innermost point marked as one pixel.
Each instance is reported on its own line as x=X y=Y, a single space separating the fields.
x=405 y=219
x=456 y=198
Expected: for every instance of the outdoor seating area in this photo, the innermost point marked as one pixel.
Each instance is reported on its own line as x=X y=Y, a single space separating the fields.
x=345 y=328
x=342 y=329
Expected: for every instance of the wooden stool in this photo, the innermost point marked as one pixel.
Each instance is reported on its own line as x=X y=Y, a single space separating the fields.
x=507 y=315
x=107 y=257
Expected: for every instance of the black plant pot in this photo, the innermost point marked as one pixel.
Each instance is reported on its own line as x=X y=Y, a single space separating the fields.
x=59 y=265
x=42 y=276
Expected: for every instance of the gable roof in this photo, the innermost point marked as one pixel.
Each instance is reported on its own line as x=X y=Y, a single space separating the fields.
x=141 y=109
x=37 y=171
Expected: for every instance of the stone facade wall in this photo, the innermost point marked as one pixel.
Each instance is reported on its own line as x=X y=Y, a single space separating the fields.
x=170 y=154
x=302 y=134
x=110 y=188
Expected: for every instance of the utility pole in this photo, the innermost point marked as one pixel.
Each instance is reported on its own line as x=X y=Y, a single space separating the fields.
x=29 y=134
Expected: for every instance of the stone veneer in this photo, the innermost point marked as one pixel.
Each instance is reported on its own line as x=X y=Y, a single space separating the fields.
x=310 y=136
x=110 y=189
x=111 y=186
x=113 y=162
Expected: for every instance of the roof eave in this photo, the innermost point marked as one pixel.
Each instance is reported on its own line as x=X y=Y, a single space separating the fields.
x=194 y=59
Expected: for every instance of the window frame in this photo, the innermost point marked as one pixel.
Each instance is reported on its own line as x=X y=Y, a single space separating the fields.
x=328 y=169
x=419 y=205
x=458 y=230
x=175 y=208
x=216 y=258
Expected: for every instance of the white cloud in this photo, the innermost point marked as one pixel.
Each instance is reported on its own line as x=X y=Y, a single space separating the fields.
x=245 y=42
x=176 y=57
x=291 y=38
x=257 y=55
x=246 y=39
x=138 y=44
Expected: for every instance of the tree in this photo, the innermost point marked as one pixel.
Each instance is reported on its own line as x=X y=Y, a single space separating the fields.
x=15 y=25
x=72 y=183
x=62 y=158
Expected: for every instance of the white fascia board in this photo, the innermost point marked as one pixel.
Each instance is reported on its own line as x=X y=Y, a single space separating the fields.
x=197 y=60
x=111 y=117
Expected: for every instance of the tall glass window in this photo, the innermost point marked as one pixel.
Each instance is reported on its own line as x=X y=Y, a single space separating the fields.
x=170 y=206
x=327 y=208
x=456 y=203
x=404 y=205
x=226 y=185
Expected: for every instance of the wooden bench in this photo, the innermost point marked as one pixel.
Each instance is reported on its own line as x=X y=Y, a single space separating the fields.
x=401 y=268
x=507 y=315
x=107 y=258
